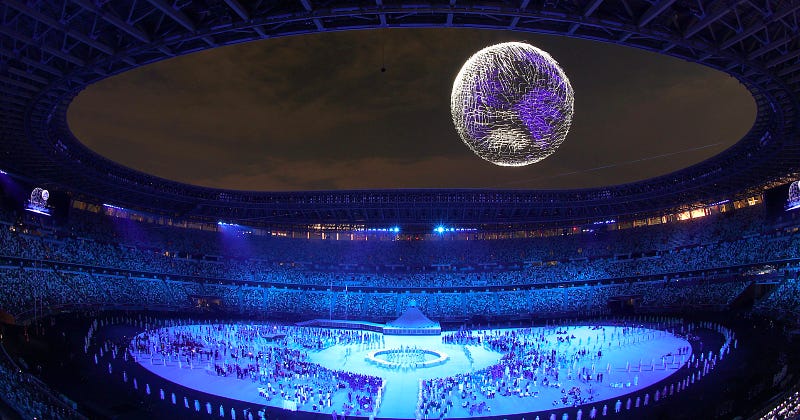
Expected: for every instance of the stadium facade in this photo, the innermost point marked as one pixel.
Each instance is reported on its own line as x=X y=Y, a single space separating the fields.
x=112 y=278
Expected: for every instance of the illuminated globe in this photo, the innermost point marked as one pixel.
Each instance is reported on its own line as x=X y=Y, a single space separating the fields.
x=512 y=104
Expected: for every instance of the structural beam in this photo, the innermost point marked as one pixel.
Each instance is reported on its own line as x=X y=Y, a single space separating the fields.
x=783 y=58
x=34 y=44
x=771 y=46
x=760 y=26
x=514 y=21
x=722 y=9
x=653 y=12
x=587 y=11
x=27 y=75
x=114 y=20
x=244 y=15
x=53 y=23
x=318 y=23
x=175 y=14
x=32 y=63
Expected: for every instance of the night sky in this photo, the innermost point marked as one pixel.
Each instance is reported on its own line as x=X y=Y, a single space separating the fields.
x=315 y=112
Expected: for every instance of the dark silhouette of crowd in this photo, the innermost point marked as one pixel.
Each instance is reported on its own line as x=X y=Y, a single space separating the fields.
x=29 y=396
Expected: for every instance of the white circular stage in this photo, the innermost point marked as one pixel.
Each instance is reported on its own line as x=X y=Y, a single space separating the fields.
x=407 y=358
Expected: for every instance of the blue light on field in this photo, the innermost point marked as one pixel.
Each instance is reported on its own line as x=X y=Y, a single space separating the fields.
x=37 y=211
x=440 y=229
x=393 y=229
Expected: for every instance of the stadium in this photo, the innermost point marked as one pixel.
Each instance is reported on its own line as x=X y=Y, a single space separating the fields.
x=127 y=295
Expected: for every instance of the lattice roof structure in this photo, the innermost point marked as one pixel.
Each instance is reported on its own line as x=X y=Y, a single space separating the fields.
x=52 y=49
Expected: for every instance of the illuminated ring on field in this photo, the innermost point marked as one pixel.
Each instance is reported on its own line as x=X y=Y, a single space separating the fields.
x=373 y=357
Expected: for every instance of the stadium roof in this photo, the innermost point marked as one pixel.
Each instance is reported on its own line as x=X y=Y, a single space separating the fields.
x=51 y=50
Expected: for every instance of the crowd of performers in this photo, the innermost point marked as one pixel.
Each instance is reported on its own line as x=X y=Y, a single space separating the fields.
x=273 y=356
x=553 y=358
x=404 y=357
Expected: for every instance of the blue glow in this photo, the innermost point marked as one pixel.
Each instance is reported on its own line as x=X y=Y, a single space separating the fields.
x=440 y=229
x=111 y=206
x=2 y=172
x=38 y=210
x=537 y=111
x=393 y=229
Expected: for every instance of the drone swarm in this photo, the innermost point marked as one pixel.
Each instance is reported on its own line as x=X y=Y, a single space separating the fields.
x=512 y=104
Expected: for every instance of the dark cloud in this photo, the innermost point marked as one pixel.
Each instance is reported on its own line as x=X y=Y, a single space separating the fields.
x=316 y=112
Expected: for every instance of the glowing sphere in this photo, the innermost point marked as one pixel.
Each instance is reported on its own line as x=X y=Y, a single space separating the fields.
x=512 y=104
